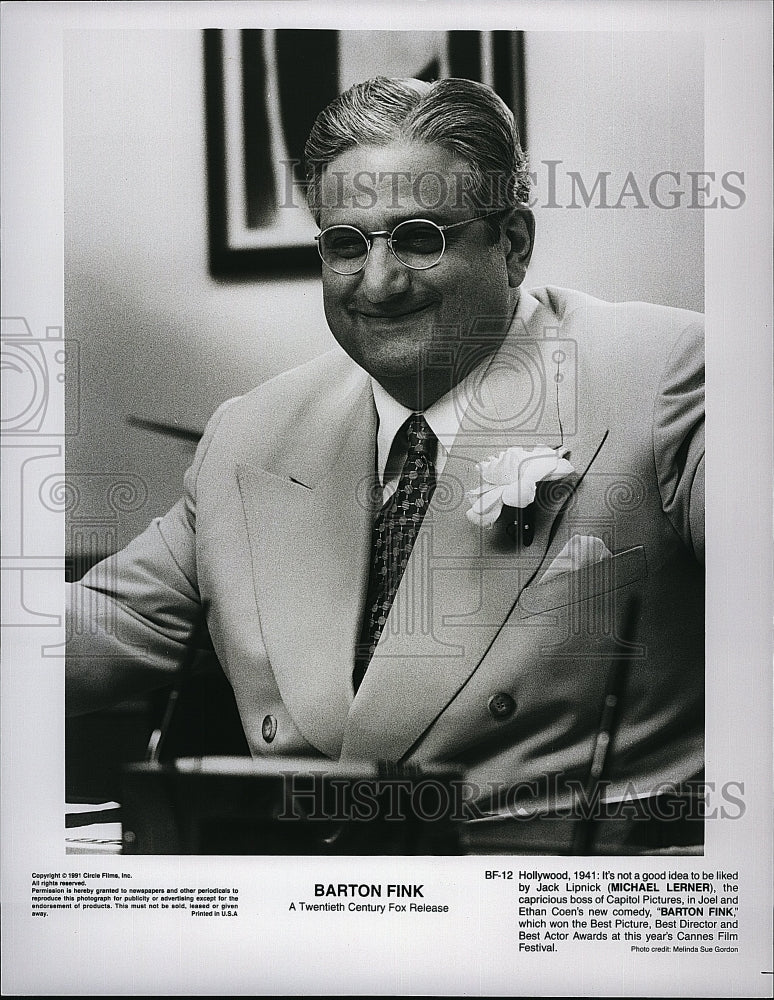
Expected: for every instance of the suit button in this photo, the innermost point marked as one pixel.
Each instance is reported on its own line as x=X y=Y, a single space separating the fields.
x=269 y=728
x=501 y=705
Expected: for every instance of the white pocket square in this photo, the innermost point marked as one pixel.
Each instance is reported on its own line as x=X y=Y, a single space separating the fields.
x=580 y=551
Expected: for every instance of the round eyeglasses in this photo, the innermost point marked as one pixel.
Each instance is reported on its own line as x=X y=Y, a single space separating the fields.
x=417 y=243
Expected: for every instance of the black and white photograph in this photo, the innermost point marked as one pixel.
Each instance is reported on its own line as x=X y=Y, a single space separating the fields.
x=380 y=580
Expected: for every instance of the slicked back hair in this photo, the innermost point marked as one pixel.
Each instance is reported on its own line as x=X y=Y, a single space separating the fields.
x=464 y=117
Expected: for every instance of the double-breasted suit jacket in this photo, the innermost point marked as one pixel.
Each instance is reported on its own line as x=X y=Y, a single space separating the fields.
x=482 y=662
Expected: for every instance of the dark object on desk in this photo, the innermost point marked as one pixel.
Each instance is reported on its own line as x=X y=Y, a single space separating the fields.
x=669 y=823
x=88 y=815
x=586 y=828
x=287 y=806
x=206 y=721
x=301 y=806
x=168 y=430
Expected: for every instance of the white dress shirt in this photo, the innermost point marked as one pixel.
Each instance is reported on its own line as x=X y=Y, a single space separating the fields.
x=443 y=417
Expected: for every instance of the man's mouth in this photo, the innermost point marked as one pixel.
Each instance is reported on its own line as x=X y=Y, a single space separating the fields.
x=405 y=312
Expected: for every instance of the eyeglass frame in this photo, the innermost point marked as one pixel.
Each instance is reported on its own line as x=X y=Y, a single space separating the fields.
x=388 y=234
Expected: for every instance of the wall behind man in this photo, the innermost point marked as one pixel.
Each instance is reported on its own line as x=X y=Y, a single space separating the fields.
x=159 y=338
x=619 y=109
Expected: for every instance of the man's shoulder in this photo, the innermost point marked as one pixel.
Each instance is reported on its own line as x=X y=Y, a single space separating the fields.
x=568 y=304
x=636 y=338
x=308 y=396
x=325 y=381
x=333 y=370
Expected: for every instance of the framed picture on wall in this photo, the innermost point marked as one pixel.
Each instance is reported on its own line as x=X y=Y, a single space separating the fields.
x=264 y=89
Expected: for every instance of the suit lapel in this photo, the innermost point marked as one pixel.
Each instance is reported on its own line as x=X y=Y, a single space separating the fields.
x=462 y=582
x=308 y=521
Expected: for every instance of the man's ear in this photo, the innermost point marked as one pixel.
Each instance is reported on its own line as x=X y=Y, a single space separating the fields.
x=518 y=229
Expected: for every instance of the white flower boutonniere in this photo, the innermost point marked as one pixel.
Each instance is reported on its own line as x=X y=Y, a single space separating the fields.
x=510 y=479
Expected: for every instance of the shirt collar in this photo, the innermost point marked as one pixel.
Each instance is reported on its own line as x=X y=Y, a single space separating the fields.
x=443 y=417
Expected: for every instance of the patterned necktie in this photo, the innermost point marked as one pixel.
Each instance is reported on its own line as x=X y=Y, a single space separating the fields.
x=395 y=531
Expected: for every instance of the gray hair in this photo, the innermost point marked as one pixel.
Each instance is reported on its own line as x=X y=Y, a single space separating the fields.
x=464 y=117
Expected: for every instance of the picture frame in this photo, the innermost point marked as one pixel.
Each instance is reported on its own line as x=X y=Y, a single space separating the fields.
x=263 y=90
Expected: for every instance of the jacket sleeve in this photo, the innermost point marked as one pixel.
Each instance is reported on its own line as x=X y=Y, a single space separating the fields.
x=131 y=617
x=678 y=438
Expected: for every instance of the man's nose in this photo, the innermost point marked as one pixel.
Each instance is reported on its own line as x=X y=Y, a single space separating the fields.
x=384 y=277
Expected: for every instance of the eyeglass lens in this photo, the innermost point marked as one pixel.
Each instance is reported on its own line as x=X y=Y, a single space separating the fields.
x=416 y=244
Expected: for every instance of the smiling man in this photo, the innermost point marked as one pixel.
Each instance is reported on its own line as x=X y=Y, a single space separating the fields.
x=420 y=548
x=416 y=280
x=391 y=153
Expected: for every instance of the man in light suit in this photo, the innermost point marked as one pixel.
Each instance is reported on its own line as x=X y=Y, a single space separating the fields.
x=472 y=631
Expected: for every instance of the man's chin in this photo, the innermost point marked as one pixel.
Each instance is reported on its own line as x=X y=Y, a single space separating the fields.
x=411 y=382
x=397 y=352
x=409 y=371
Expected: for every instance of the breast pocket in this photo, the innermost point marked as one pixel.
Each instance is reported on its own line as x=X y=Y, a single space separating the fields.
x=593 y=581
